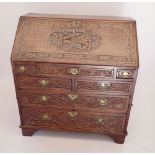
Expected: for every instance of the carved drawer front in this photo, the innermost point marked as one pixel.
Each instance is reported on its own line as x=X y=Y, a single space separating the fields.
x=73 y=119
x=24 y=82
x=105 y=86
x=102 y=102
x=47 y=68
x=104 y=73
x=74 y=71
x=125 y=74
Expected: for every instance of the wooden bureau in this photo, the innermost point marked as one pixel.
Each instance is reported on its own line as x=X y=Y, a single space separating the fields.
x=75 y=73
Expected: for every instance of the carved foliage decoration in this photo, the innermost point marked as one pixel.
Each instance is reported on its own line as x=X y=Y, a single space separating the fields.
x=70 y=34
x=76 y=39
x=112 y=87
x=37 y=82
x=47 y=68
x=62 y=100
x=81 y=120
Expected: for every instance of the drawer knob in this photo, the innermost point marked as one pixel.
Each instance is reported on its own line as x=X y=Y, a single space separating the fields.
x=44 y=98
x=45 y=117
x=22 y=68
x=74 y=71
x=72 y=114
x=104 y=84
x=73 y=96
x=103 y=101
x=44 y=83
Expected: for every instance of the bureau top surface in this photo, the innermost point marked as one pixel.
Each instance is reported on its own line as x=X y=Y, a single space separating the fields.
x=96 y=40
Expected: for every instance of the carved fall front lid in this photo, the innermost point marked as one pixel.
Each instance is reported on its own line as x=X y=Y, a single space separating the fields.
x=76 y=39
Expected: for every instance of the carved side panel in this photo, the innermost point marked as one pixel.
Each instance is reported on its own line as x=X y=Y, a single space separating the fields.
x=23 y=82
x=56 y=118
x=104 y=86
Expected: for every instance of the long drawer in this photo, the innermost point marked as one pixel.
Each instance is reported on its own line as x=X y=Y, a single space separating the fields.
x=75 y=100
x=22 y=68
x=73 y=118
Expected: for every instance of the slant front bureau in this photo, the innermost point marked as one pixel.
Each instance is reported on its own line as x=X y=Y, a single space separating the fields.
x=75 y=73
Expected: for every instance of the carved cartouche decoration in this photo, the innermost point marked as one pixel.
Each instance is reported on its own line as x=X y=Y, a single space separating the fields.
x=76 y=39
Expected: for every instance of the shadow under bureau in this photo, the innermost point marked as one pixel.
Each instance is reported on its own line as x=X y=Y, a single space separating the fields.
x=75 y=73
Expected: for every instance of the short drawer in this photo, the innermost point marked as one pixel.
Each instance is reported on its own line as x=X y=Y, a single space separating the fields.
x=61 y=70
x=125 y=74
x=43 y=82
x=66 y=118
x=72 y=99
x=103 y=86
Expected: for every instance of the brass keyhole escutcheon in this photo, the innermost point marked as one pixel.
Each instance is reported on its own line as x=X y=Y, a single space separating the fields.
x=44 y=83
x=74 y=71
x=103 y=101
x=73 y=96
x=72 y=114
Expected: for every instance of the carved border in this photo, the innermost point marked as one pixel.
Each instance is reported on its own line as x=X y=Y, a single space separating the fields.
x=23 y=54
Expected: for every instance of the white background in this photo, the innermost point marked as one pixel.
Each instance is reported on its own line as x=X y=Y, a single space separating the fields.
x=141 y=127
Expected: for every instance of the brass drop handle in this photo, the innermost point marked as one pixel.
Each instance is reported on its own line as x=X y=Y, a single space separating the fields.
x=72 y=114
x=103 y=102
x=74 y=71
x=44 y=98
x=104 y=84
x=45 y=117
x=22 y=68
x=44 y=83
x=73 y=96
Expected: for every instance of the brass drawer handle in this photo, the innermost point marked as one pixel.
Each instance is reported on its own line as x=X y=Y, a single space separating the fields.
x=72 y=114
x=44 y=83
x=44 y=98
x=99 y=120
x=124 y=74
x=104 y=84
x=74 y=71
x=73 y=96
x=22 y=68
x=103 y=101
x=45 y=117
